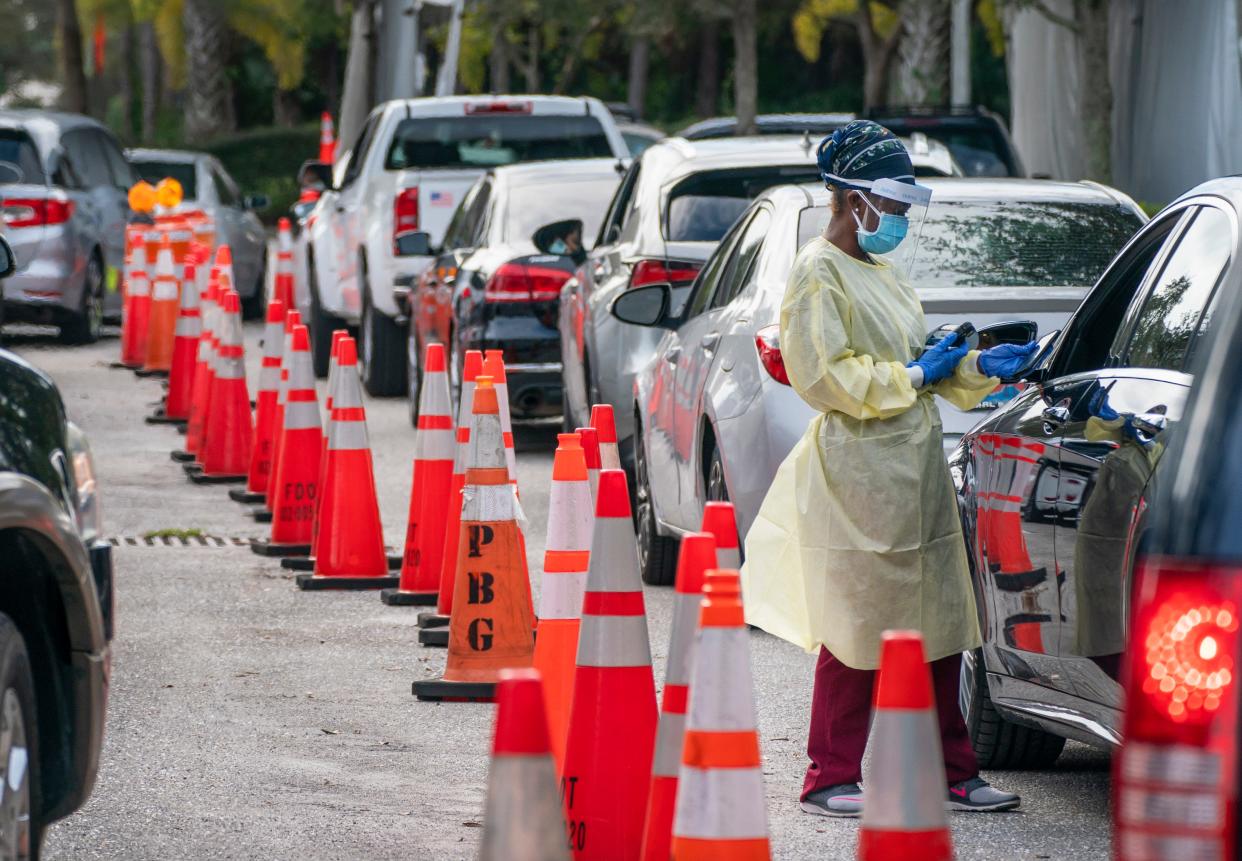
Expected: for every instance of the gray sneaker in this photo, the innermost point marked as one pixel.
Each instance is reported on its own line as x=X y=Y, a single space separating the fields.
x=978 y=795
x=845 y=799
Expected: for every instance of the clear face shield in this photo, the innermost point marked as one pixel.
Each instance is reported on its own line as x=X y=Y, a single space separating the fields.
x=893 y=222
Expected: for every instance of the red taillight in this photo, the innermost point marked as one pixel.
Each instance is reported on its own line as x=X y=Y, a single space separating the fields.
x=675 y=272
x=768 y=343
x=515 y=107
x=404 y=214
x=1176 y=775
x=518 y=282
x=35 y=211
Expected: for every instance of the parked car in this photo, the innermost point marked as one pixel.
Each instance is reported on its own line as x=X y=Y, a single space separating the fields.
x=406 y=173
x=55 y=607
x=496 y=283
x=1100 y=406
x=713 y=408
x=63 y=198
x=1185 y=598
x=207 y=186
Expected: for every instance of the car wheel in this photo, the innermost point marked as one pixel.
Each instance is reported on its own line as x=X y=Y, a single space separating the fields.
x=998 y=742
x=413 y=374
x=84 y=325
x=380 y=351
x=252 y=307
x=20 y=832
x=322 y=325
x=657 y=554
x=715 y=488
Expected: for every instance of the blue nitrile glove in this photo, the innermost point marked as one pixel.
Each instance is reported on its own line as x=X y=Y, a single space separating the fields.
x=1099 y=406
x=1006 y=360
x=941 y=360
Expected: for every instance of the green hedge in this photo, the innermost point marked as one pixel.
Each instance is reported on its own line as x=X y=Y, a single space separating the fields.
x=266 y=161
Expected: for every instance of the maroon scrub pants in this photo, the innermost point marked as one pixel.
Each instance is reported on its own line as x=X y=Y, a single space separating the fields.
x=841 y=718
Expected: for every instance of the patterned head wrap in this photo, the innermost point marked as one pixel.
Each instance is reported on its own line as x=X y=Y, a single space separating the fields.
x=857 y=154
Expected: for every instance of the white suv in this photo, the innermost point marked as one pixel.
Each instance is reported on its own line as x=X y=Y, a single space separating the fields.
x=391 y=195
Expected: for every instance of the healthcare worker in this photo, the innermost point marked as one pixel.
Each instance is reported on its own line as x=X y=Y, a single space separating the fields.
x=859 y=531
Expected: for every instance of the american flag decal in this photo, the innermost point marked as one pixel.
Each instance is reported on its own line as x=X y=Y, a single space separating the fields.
x=440 y=198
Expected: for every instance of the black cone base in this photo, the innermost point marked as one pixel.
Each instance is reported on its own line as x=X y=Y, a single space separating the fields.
x=247 y=497
x=261 y=514
x=398 y=598
x=432 y=620
x=145 y=373
x=158 y=418
x=438 y=690
x=436 y=638
x=198 y=477
x=120 y=366
x=311 y=583
x=298 y=563
x=263 y=547
x=181 y=456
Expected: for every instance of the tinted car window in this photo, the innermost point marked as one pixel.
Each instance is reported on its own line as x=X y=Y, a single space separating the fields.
x=88 y=159
x=225 y=190
x=18 y=151
x=122 y=173
x=1172 y=310
x=711 y=275
x=704 y=206
x=743 y=259
x=154 y=171
x=532 y=206
x=455 y=233
x=620 y=205
x=493 y=139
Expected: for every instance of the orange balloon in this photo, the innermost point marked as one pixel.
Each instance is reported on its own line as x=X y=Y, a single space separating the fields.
x=142 y=197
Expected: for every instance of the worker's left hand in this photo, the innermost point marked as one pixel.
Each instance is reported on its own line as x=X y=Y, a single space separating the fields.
x=1006 y=360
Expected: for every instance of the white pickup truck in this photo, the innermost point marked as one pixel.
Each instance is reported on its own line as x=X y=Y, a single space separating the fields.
x=388 y=199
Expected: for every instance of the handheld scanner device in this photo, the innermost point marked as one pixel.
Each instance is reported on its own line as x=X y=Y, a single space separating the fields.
x=965 y=332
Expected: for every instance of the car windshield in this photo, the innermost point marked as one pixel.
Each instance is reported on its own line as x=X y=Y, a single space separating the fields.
x=704 y=207
x=532 y=206
x=153 y=171
x=494 y=139
x=1009 y=243
x=19 y=160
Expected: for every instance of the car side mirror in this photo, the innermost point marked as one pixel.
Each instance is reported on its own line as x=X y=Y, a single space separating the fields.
x=644 y=306
x=315 y=174
x=413 y=244
x=8 y=261
x=1015 y=332
x=255 y=202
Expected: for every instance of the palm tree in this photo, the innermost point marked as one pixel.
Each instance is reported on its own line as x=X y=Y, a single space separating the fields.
x=208 y=92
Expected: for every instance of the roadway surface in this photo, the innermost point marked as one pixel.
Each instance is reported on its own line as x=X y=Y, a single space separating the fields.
x=248 y=719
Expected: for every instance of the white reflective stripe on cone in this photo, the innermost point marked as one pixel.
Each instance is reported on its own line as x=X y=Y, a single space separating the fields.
x=434 y=398
x=139 y=286
x=487 y=444
x=272 y=336
x=300 y=415
x=301 y=374
x=232 y=369
x=614 y=556
x=488 y=503
x=189 y=299
x=188 y=327
x=608 y=456
x=506 y=422
x=728 y=559
x=613 y=641
x=560 y=594
x=269 y=378
x=348 y=392
x=524 y=819
x=435 y=444
x=670 y=736
x=721 y=697
x=569 y=516
x=901 y=791
x=347 y=436
x=724 y=804
x=681 y=638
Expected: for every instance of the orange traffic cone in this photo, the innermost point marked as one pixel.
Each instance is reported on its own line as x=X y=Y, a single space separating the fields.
x=130 y=267
x=434 y=447
x=282 y=285
x=471 y=368
x=296 y=478
x=349 y=551
x=176 y=408
x=327 y=139
x=613 y=719
x=162 y=320
x=522 y=818
x=491 y=625
x=263 y=513
x=203 y=370
x=265 y=409
x=718 y=519
x=590 y=449
x=138 y=303
x=494 y=367
x=229 y=429
x=903 y=791
x=566 y=558
x=696 y=558
x=721 y=810
x=606 y=427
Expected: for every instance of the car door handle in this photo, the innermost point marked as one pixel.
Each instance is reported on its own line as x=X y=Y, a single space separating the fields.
x=1055 y=416
x=672 y=355
x=709 y=341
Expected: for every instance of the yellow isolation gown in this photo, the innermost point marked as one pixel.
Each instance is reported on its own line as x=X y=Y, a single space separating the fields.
x=859 y=531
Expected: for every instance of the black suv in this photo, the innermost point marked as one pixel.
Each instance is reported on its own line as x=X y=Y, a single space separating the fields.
x=55 y=608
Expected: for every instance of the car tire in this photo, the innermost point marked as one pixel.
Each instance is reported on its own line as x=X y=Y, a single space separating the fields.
x=21 y=834
x=413 y=374
x=84 y=325
x=322 y=325
x=657 y=554
x=714 y=487
x=380 y=348
x=1000 y=743
x=252 y=307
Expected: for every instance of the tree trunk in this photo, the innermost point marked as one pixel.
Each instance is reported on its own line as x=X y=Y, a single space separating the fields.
x=877 y=57
x=532 y=59
x=149 y=72
x=1095 y=96
x=707 y=91
x=285 y=108
x=569 y=68
x=745 y=67
x=73 y=75
x=208 y=92
x=636 y=87
x=924 y=56
x=125 y=81
x=498 y=59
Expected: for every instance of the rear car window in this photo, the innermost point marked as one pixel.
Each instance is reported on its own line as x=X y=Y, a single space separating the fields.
x=532 y=206
x=490 y=140
x=703 y=207
x=154 y=171
x=20 y=159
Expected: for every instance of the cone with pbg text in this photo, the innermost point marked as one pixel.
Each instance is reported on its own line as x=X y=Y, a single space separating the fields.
x=719 y=520
x=434 y=448
x=137 y=308
x=903 y=789
x=204 y=366
x=590 y=450
x=605 y=425
x=566 y=560
x=327 y=138
x=296 y=477
x=176 y=407
x=265 y=409
x=229 y=430
x=349 y=553
x=282 y=284
x=612 y=720
x=491 y=626
x=494 y=367
x=472 y=366
x=721 y=809
x=697 y=556
x=522 y=819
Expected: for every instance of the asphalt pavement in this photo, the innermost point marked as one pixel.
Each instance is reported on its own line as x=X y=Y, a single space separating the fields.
x=250 y=720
